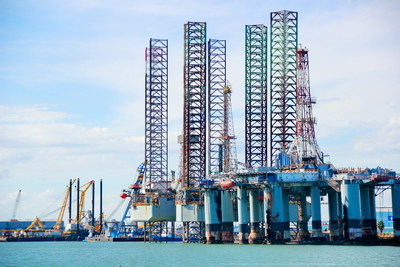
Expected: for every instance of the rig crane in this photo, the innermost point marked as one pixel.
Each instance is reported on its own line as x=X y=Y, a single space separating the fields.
x=134 y=189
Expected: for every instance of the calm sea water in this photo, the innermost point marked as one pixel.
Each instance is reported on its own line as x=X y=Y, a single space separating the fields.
x=178 y=254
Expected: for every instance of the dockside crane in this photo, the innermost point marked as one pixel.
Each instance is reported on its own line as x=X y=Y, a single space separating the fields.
x=14 y=214
x=33 y=228
x=80 y=214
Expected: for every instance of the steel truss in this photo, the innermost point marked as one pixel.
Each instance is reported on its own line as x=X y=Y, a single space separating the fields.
x=194 y=114
x=256 y=96
x=193 y=232
x=156 y=109
x=216 y=85
x=283 y=81
x=159 y=231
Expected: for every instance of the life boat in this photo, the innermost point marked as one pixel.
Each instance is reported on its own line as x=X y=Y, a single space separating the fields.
x=380 y=178
x=123 y=195
x=227 y=184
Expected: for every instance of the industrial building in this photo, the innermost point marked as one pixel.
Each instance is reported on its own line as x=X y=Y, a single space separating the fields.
x=8 y=226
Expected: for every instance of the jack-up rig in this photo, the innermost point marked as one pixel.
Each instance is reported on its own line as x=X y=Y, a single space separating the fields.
x=278 y=188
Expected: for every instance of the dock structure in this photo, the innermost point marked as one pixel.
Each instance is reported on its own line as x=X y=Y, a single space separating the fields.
x=275 y=197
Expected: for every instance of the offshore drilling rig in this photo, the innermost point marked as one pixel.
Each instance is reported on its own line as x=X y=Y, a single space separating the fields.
x=284 y=168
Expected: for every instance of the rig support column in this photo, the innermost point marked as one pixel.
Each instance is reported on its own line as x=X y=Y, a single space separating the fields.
x=285 y=215
x=278 y=220
x=77 y=207
x=254 y=237
x=93 y=216
x=212 y=216
x=70 y=202
x=396 y=209
x=156 y=112
x=267 y=214
x=303 y=234
x=216 y=84
x=368 y=234
x=351 y=206
x=373 y=210
x=333 y=199
x=227 y=218
x=256 y=95
x=283 y=79
x=101 y=205
x=243 y=215
x=316 y=214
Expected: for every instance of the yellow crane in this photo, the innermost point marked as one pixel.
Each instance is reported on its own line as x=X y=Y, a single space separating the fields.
x=57 y=226
x=80 y=213
x=39 y=227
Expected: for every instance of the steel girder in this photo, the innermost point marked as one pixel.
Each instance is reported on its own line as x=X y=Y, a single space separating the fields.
x=256 y=95
x=283 y=81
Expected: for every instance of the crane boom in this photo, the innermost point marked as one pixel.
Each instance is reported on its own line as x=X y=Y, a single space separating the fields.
x=133 y=191
x=14 y=214
x=85 y=187
x=57 y=226
x=40 y=226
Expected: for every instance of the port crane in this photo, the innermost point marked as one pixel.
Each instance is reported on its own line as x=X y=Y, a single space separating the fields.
x=14 y=214
x=57 y=226
x=33 y=228
x=80 y=214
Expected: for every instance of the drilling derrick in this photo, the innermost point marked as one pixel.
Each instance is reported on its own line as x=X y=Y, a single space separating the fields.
x=283 y=81
x=304 y=146
x=256 y=95
x=228 y=137
x=156 y=118
x=216 y=85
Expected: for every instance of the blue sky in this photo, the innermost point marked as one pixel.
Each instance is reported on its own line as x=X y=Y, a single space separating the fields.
x=72 y=86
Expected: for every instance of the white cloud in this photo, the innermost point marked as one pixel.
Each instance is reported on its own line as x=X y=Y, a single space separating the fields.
x=35 y=113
